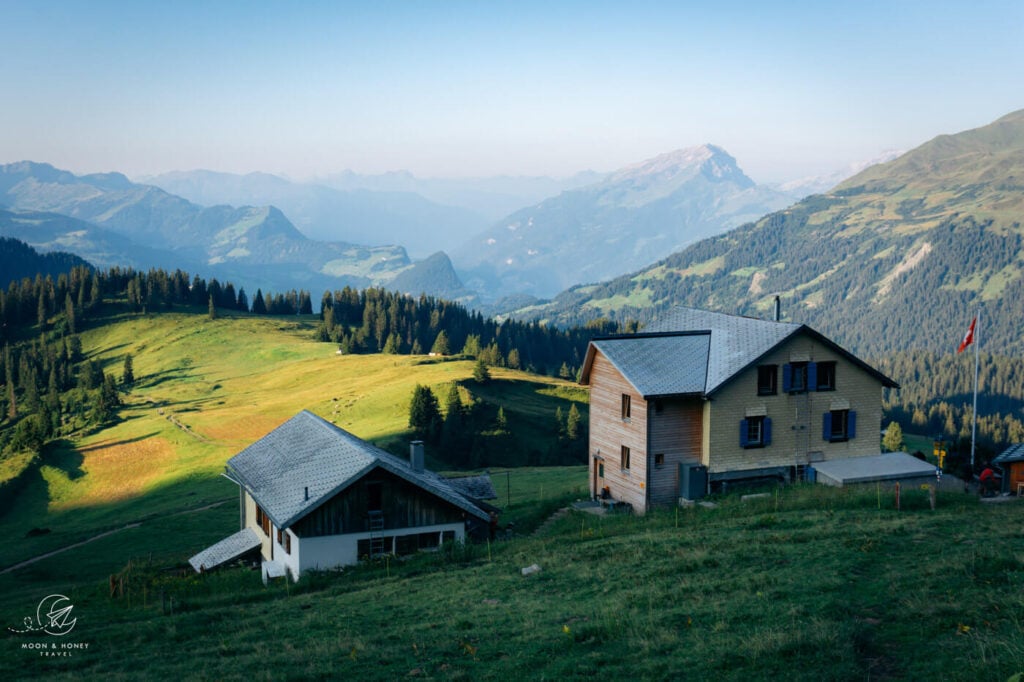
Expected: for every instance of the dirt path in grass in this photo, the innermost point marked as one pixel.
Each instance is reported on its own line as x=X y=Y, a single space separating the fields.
x=29 y=562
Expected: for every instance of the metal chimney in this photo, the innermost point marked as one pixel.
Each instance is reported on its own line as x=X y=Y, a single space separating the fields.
x=416 y=455
x=778 y=309
x=307 y=493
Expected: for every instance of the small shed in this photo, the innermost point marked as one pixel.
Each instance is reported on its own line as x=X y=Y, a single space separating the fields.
x=887 y=467
x=1011 y=462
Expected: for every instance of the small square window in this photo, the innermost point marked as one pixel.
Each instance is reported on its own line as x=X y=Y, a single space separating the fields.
x=659 y=460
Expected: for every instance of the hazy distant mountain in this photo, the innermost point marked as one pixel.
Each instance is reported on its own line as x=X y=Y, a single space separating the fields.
x=898 y=257
x=434 y=275
x=490 y=197
x=358 y=215
x=631 y=218
x=55 y=233
x=819 y=184
x=112 y=221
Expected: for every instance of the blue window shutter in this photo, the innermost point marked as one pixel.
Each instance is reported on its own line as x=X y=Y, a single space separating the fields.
x=826 y=427
x=787 y=378
x=767 y=437
x=812 y=376
x=743 y=433
x=851 y=424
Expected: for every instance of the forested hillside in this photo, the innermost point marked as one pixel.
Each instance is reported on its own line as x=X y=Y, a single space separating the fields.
x=898 y=258
x=18 y=260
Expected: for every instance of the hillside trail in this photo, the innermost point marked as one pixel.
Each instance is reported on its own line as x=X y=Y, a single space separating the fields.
x=136 y=524
x=551 y=520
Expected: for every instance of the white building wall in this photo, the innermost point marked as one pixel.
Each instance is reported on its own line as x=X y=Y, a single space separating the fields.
x=331 y=551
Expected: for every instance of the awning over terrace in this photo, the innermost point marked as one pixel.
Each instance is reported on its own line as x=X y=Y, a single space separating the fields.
x=228 y=549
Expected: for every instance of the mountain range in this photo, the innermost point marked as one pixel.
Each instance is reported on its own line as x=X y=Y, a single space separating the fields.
x=629 y=219
x=357 y=215
x=110 y=220
x=900 y=256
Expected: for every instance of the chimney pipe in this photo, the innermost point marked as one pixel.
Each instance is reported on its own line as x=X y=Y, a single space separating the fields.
x=307 y=493
x=416 y=455
x=778 y=309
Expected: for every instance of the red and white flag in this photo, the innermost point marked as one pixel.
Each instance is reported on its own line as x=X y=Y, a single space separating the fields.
x=968 y=337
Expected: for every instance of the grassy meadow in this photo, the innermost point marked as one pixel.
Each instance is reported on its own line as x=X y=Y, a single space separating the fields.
x=206 y=389
x=806 y=583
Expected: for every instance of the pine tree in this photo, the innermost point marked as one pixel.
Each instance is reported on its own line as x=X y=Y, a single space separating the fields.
x=572 y=423
x=424 y=414
x=243 y=300
x=481 y=374
x=211 y=309
x=440 y=346
x=128 y=373
x=69 y=313
x=259 y=307
x=501 y=422
x=564 y=372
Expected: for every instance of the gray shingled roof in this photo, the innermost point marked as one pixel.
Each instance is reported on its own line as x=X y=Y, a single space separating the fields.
x=231 y=547
x=735 y=341
x=1014 y=453
x=672 y=364
x=309 y=452
x=478 y=487
x=663 y=360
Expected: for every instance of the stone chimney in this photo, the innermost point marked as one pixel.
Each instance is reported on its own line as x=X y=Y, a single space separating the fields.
x=416 y=455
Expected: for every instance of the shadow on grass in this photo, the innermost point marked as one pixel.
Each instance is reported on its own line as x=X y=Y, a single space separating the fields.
x=61 y=454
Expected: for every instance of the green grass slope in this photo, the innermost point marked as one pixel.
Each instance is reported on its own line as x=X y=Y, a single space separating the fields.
x=205 y=389
x=806 y=584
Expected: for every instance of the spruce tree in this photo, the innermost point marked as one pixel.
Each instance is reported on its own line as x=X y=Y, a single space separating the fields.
x=211 y=309
x=259 y=307
x=440 y=346
x=424 y=414
x=481 y=374
x=128 y=373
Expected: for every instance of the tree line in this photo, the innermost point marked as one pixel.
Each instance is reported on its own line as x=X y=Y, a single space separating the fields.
x=375 y=320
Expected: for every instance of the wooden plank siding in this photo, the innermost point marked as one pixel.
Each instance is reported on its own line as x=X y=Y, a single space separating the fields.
x=609 y=432
x=402 y=504
x=676 y=432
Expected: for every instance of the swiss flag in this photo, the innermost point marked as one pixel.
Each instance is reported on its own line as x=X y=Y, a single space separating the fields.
x=968 y=337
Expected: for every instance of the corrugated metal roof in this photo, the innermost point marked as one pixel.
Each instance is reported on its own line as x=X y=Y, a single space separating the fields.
x=1014 y=453
x=224 y=551
x=671 y=364
x=307 y=452
x=735 y=341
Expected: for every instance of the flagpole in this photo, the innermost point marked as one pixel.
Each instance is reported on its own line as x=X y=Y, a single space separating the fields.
x=974 y=412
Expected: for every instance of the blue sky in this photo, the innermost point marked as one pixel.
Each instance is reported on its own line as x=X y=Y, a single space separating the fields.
x=487 y=88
